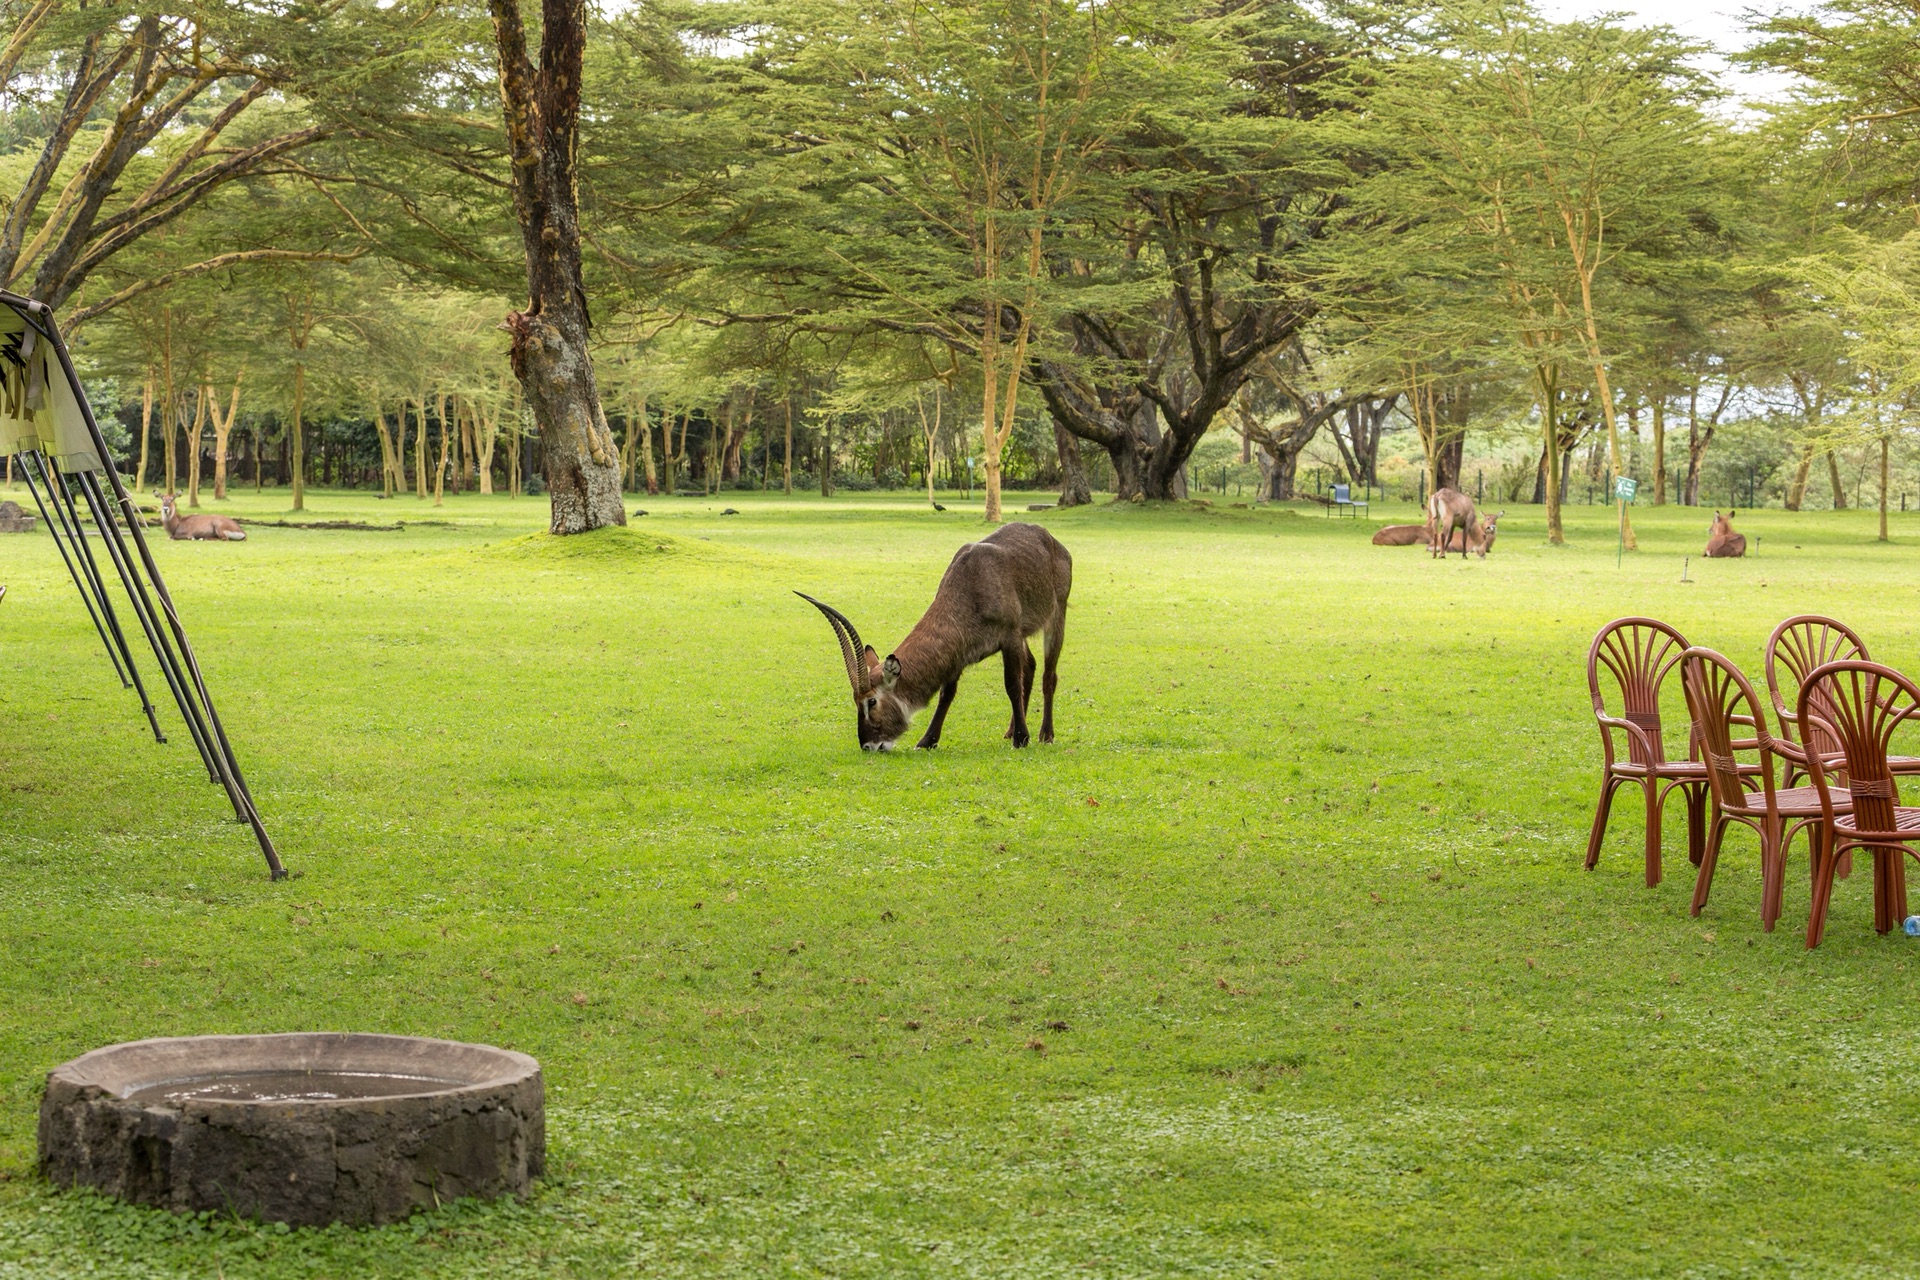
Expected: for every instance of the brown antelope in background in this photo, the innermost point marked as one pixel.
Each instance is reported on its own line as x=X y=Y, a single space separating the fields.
x=1722 y=541
x=1478 y=536
x=198 y=528
x=996 y=593
x=1447 y=510
x=1401 y=535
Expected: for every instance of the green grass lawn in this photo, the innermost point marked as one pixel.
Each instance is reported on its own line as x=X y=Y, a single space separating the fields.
x=1282 y=961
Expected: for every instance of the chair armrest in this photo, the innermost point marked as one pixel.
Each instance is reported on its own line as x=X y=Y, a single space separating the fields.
x=1614 y=722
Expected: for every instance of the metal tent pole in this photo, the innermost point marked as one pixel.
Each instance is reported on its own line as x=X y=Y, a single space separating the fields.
x=222 y=757
x=62 y=485
x=57 y=530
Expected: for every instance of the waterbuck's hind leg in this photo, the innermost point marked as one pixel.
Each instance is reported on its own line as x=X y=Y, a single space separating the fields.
x=1027 y=668
x=931 y=738
x=1012 y=661
x=1056 y=635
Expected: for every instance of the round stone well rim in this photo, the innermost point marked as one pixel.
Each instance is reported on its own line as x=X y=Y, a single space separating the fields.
x=96 y=1067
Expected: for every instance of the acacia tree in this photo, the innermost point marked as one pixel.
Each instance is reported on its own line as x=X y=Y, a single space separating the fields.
x=1568 y=163
x=136 y=117
x=550 y=354
x=1203 y=261
x=937 y=149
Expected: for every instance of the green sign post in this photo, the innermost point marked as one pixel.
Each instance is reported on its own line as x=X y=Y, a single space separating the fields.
x=1624 y=487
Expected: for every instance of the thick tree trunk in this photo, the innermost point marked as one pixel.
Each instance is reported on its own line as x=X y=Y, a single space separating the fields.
x=1833 y=478
x=487 y=428
x=386 y=450
x=1129 y=485
x=736 y=438
x=1446 y=460
x=1797 y=487
x=550 y=353
x=1282 y=470
x=1074 y=490
x=222 y=433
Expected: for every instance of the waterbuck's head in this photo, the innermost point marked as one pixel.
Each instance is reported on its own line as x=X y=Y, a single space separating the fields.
x=883 y=715
x=1722 y=524
x=166 y=506
x=1489 y=529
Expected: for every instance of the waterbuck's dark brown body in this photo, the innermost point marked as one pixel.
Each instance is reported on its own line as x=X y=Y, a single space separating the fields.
x=996 y=593
x=1722 y=541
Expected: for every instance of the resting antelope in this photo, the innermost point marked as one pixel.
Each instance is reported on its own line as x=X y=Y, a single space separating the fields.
x=1447 y=510
x=1401 y=535
x=198 y=528
x=1722 y=541
x=996 y=593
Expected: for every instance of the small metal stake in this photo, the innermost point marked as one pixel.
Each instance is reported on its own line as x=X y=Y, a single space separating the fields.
x=1685 y=561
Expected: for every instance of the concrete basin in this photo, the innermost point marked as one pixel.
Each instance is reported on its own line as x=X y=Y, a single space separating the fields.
x=306 y=1128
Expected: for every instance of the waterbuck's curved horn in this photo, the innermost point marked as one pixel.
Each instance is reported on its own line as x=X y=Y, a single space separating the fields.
x=850 y=647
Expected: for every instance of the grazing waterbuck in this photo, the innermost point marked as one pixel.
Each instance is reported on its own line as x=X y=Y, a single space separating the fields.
x=996 y=593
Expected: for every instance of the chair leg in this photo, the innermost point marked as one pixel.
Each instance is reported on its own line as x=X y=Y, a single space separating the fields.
x=1696 y=828
x=1890 y=878
x=1703 y=883
x=1844 y=869
x=1823 y=861
x=1654 y=805
x=1599 y=832
x=1773 y=873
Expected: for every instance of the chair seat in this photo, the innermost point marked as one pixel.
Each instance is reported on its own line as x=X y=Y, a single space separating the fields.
x=1688 y=769
x=1794 y=802
x=1905 y=820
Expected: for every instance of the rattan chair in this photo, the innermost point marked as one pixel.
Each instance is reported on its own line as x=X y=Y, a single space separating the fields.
x=1719 y=697
x=1638 y=653
x=1796 y=647
x=1859 y=705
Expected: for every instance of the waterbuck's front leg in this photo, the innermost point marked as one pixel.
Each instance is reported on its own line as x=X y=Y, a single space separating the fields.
x=931 y=738
x=1014 y=659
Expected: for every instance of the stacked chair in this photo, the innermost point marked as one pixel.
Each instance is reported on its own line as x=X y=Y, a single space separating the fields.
x=1836 y=712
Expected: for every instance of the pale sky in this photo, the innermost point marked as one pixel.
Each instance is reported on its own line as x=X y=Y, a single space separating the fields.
x=1717 y=23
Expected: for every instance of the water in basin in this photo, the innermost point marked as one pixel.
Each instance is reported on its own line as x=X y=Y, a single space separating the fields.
x=286 y=1086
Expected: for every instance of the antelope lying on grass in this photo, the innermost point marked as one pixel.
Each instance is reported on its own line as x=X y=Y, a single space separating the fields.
x=1447 y=510
x=1401 y=535
x=1722 y=541
x=996 y=593
x=198 y=528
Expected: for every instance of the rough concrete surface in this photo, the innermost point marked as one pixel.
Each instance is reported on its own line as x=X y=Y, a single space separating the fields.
x=469 y=1120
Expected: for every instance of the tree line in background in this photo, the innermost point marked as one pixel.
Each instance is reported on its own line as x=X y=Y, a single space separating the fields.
x=885 y=242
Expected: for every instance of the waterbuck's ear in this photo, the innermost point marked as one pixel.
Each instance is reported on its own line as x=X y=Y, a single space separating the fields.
x=889 y=672
x=872 y=660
